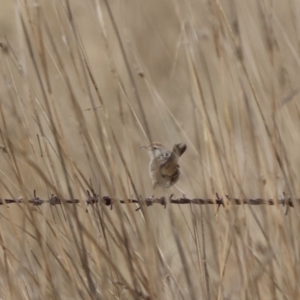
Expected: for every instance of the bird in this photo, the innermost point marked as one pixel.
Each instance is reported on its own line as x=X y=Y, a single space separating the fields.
x=164 y=168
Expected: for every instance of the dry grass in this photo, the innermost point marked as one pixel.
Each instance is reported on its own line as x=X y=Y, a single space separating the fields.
x=85 y=83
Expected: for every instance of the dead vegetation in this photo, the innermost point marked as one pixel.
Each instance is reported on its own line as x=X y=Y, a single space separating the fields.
x=84 y=84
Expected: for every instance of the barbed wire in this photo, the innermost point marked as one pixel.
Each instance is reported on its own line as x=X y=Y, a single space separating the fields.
x=93 y=198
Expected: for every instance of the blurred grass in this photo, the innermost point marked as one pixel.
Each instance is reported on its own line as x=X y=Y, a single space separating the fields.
x=84 y=84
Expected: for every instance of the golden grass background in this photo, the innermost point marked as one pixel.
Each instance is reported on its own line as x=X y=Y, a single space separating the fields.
x=95 y=80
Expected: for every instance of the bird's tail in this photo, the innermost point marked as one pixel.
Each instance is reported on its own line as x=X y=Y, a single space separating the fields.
x=179 y=149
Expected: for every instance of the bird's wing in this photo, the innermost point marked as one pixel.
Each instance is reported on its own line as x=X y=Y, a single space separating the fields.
x=170 y=165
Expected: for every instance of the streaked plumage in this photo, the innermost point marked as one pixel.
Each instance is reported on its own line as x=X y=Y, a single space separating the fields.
x=164 y=168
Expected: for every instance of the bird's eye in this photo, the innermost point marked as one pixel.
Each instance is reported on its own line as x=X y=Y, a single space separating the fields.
x=167 y=154
x=154 y=148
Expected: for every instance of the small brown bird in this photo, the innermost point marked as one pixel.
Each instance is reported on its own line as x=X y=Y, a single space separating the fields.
x=164 y=169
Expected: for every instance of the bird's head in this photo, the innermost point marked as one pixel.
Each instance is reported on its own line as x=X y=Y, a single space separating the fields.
x=156 y=149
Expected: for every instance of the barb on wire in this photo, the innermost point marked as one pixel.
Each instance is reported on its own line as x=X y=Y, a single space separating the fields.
x=93 y=198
